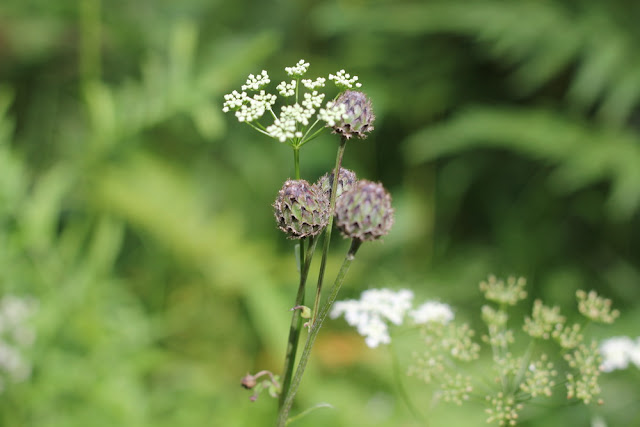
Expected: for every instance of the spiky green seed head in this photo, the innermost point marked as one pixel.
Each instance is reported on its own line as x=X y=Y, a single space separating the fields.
x=364 y=212
x=346 y=180
x=301 y=209
x=359 y=115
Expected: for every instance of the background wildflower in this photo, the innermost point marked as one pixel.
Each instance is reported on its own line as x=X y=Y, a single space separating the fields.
x=432 y=311
x=371 y=313
x=16 y=335
x=618 y=352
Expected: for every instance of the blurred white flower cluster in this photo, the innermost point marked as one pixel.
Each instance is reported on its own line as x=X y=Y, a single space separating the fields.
x=618 y=352
x=376 y=307
x=16 y=335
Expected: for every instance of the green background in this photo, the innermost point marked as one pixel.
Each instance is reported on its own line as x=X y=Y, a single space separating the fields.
x=139 y=215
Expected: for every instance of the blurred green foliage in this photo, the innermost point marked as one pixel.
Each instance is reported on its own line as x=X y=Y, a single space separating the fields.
x=139 y=216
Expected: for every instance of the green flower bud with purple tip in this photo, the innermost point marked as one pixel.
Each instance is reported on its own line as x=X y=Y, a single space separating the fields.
x=359 y=116
x=301 y=209
x=346 y=180
x=364 y=212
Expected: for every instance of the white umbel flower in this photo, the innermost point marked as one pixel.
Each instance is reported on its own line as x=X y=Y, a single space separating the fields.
x=432 y=311
x=333 y=113
x=314 y=84
x=617 y=352
x=302 y=110
x=287 y=89
x=344 y=80
x=256 y=82
x=371 y=313
x=299 y=69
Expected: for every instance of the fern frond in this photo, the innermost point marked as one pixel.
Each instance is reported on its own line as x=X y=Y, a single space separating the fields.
x=582 y=153
x=540 y=40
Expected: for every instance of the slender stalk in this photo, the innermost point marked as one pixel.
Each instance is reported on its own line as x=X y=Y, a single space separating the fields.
x=296 y=319
x=327 y=233
x=296 y=325
x=313 y=333
x=296 y=163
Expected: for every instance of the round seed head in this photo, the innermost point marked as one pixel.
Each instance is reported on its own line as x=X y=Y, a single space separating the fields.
x=346 y=180
x=364 y=212
x=301 y=210
x=359 y=115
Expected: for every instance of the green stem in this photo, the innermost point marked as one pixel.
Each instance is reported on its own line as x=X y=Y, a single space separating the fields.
x=296 y=323
x=296 y=163
x=313 y=333
x=296 y=319
x=524 y=365
x=327 y=233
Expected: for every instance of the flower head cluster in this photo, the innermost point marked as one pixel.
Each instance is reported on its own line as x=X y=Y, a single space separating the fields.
x=543 y=320
x=346 y=180
x=298 y=117
x=586 y=360
x=370 y=313
x=504 y=293
x=595 y=307
x=314 y=84
x=15 y=336
x=376 y=307
x=287 y=89
x=358 y=118
x=521 y=377
x=256 y=82
x=344 y=80
x=301 y=209
x=503 y=409
x=300 y=69
x=364 y=212
x=248 y=108
x=538 y=378
x=432 y=311
x=568 y=337
x=618 y=352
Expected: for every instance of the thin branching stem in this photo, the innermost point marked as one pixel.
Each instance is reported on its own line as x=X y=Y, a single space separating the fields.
x=313 y=333
x=296 y=322
x=327 y=233
x=296 y=319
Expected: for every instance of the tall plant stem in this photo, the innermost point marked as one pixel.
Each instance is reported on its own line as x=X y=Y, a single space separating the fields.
x=296 y=324
x=296 y=162
x=313 y=333
x=296 y=319
x=327 y=233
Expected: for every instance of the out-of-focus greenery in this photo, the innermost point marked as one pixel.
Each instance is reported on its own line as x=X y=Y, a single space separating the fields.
x=139 y=216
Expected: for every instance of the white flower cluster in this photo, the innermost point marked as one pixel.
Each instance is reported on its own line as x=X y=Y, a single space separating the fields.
x=376 y=307
x=617 y=352
x=344 y=80
x=314 y=84
x=248 y=108
x=432 y=311
x=256 y=82
x=299 y=69
x=15 y=336
x=287 y=89
x=285 y=127
x=333 y=113
x=293 y=118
